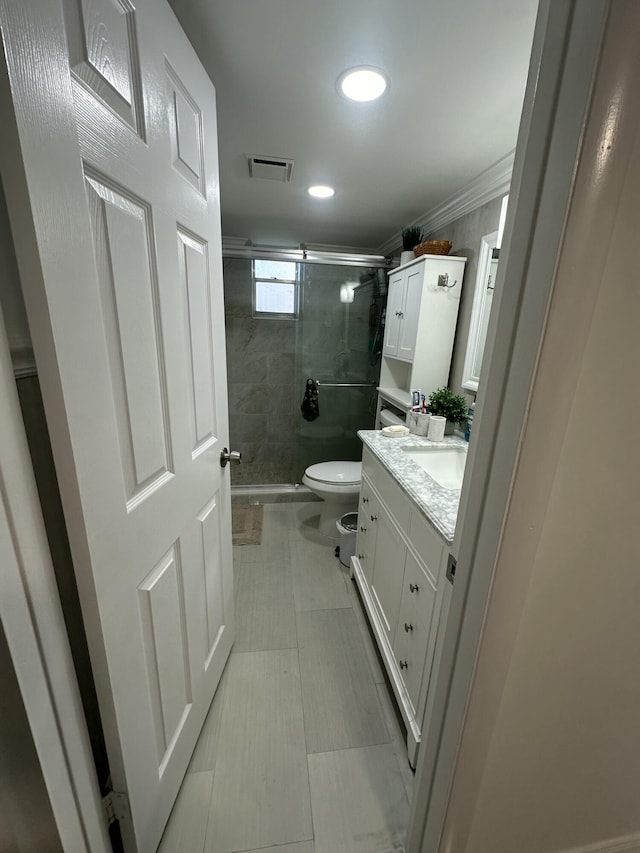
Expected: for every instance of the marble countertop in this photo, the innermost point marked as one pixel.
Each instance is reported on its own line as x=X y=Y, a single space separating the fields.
x=439 y=505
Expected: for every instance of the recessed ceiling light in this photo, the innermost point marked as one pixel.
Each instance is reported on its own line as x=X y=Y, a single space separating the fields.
x=321 y=191
x=363 y=83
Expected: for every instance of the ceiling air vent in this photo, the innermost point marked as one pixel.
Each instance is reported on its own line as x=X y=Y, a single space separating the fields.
x=270 y=168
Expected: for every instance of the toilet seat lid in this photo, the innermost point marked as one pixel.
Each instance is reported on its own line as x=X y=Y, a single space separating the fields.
x=344 y=473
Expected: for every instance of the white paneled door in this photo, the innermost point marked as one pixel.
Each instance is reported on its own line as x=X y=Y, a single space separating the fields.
x=109 y=161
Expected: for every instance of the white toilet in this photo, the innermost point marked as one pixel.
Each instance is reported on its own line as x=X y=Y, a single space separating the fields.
x=338 y=484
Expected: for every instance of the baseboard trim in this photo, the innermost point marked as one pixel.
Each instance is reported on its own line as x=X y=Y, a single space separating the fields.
x=273 y=493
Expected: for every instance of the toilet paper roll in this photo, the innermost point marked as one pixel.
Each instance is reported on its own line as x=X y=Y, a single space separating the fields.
x=436 y=428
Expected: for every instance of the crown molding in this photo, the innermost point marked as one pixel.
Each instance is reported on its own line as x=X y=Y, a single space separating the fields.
x=490 y=184
x=229 y=242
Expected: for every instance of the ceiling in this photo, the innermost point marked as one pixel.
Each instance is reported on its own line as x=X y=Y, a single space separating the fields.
x=457 y=70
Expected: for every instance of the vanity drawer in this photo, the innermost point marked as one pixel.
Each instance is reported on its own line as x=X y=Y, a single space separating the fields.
x=394 y=498
x=426 y=543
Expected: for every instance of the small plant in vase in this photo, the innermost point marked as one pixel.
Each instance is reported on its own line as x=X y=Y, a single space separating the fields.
x=411 y=236
x=448 y=405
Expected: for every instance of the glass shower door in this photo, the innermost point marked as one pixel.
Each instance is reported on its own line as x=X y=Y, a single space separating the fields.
x=338 y=343
x=335 y=337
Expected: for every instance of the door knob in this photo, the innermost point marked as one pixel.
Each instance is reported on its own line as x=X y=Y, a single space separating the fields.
x=227 y=455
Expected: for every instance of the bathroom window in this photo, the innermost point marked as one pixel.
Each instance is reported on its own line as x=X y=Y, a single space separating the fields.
x=275 y=289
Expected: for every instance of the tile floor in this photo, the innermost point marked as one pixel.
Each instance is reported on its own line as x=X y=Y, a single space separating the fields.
x=301 y=751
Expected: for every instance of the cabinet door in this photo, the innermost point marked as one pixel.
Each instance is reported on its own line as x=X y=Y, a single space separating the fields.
x=415 y=617
x=394 y=314
x=366 y=539
x=388 y=568
x=410 y=649
x=410 y=313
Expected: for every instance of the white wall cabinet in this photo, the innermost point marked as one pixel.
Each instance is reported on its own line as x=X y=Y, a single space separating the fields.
x=422 y=311
x=400 y=569
x=403 y=312
x=393 y=319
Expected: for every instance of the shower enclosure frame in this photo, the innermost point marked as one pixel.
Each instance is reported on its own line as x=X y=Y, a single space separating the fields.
x=287 y=486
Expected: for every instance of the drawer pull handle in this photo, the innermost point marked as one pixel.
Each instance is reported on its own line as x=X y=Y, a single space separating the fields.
x=408 y=627
x=363 y=529
x=403 y=664
x=374 y=518
x=365 y=500
x=413 y=587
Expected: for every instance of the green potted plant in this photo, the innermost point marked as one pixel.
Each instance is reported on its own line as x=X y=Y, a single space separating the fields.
x=411 y=236
x=448 y=405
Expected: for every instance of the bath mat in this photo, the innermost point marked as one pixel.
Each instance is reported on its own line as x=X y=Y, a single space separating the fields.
x=246 y=524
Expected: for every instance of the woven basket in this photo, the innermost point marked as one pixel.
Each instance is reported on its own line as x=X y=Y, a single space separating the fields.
x=433 y=247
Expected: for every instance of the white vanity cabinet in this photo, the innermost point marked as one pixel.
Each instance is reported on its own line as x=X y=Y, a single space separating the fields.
x=400 y=567
x=368 y=513
x=420 y=325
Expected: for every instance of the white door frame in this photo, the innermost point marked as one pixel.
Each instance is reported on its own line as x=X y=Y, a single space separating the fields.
x=36 y=635
x=564 y=61
x=564 y=58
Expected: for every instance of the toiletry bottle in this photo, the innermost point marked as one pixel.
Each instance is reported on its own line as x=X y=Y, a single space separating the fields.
x=470 y=414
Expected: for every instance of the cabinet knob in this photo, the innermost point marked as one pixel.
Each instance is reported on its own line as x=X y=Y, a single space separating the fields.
x=414 y=587
x=374 y=518
x=403 y=664
x=365 y=500
x=398 y=314
x=361 y=556
x=408 y=627
x=363 y=529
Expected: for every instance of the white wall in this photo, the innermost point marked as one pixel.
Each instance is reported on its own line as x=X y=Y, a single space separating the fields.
x=27 y=824
x=466 y=233
x=550 y=752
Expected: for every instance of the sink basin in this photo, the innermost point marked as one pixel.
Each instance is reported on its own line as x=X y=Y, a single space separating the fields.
x=445 y=465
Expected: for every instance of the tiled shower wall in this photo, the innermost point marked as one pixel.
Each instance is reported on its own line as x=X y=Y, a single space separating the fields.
x=261 y=376
x=269 y=360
